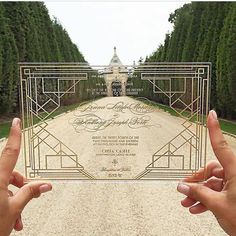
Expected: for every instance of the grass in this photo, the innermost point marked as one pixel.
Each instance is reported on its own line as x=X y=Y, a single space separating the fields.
x=5 y=126
x=4 y=129
x=59 y=111
x=226 y=125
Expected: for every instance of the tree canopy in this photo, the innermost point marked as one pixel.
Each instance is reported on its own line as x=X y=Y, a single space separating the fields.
x=206 y=32
x=27 y=34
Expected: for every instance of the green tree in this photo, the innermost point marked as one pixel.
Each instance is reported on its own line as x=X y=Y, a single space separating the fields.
x=8 y=65
x=205 y=31
x=226 y=66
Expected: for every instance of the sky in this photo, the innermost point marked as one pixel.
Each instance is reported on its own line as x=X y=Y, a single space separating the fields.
x=135 y=28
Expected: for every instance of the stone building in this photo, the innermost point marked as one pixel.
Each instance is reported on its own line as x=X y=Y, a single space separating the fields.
x=116 y=76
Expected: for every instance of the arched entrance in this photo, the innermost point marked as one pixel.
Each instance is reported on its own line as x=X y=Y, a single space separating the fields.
x=116 y=76
x=116 y=88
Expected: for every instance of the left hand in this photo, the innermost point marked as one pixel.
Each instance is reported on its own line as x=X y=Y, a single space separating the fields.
x=11 y=206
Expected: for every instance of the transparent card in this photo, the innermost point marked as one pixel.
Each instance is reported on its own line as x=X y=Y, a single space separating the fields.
x=115 y=122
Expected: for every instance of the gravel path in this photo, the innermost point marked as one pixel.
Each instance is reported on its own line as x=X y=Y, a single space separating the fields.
x=115 y=208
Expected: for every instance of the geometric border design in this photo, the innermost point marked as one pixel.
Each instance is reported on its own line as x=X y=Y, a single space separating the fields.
x=44 y=84
x=46 y=80
x=196 y=78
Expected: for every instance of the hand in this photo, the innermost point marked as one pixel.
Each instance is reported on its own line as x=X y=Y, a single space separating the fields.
x=11 y=206
x=218 y=192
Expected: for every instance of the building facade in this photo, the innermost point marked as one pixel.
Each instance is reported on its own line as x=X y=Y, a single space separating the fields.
x=116 y=76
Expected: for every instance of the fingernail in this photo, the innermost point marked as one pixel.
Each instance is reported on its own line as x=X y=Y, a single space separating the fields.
x=16 y=122
x=45 y=188
x=183 y=188
x=213 y=114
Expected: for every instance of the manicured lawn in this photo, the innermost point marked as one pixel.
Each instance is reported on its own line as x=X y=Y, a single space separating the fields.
x=4 y=129
x=226 y=126
x=5 y=126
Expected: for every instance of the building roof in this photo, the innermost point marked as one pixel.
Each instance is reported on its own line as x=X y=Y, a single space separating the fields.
x=115 y=61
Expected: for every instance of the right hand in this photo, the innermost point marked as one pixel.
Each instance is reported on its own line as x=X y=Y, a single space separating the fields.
x=218 y=193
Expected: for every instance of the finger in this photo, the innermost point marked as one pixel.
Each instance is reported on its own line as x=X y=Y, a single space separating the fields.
x=219 y=173
x=198 y=209
x=10 y=193
x=18 y=225
x=188 y=202
x=220 y=147
x=214 y=184
x=10 y=152
x=200 y=193
x=17 y=179
x=205 y=173
x=28 y=192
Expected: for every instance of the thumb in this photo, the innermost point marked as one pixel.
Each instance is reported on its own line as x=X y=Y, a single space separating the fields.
x=200 y=193
x=28 y=192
